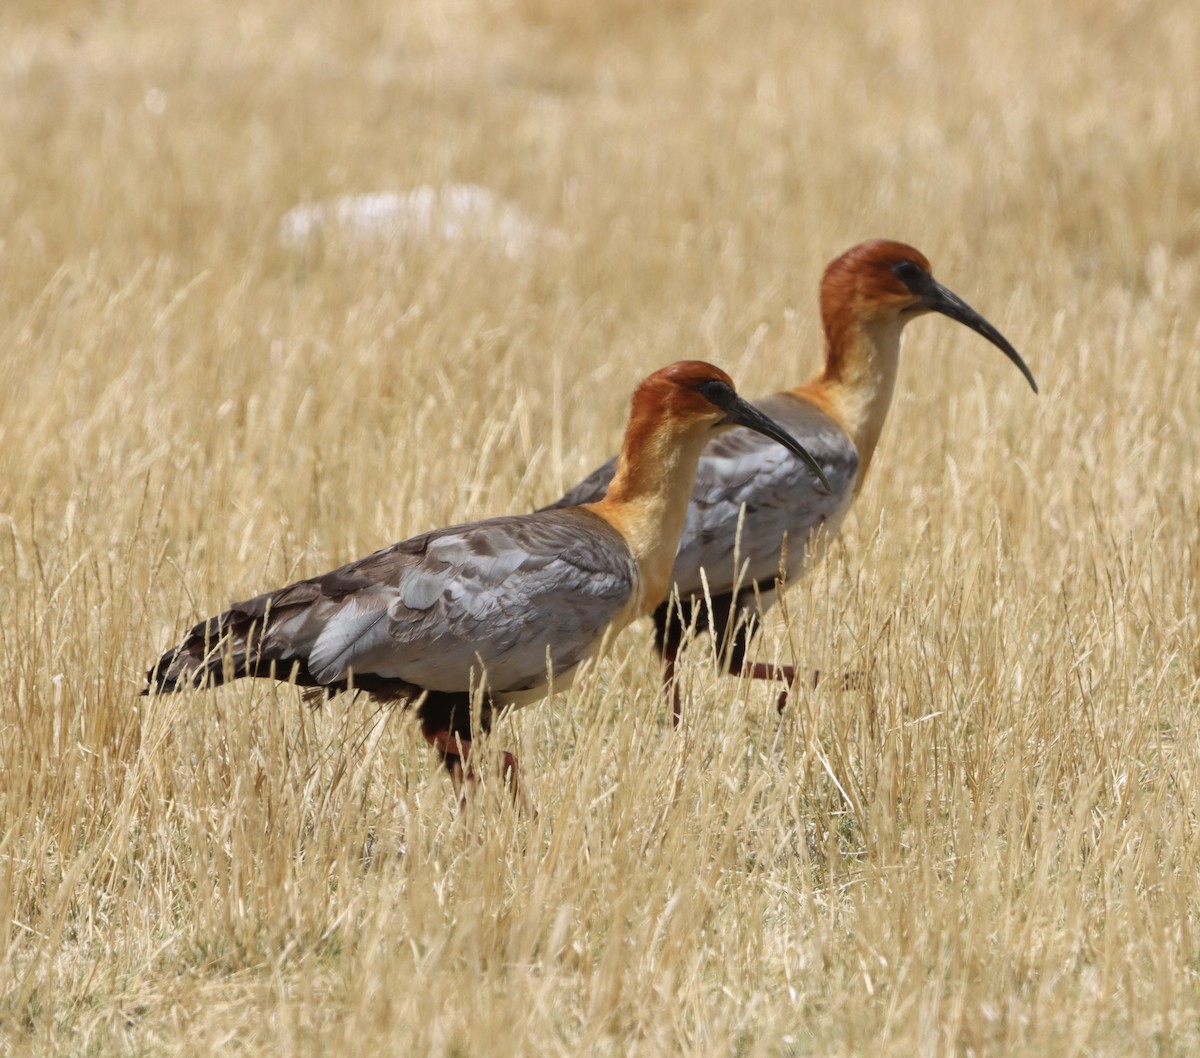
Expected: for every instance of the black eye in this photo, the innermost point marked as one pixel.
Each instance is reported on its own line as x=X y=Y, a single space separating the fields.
x=908 y=273
x=715 y=392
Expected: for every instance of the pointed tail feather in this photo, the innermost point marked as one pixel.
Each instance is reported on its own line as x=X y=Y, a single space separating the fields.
x=239 y=642
x=272 y=635
x=232 y=645
x=213 y=652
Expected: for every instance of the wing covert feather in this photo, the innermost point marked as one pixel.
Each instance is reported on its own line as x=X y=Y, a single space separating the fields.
x=779 y=493
x=429 y=609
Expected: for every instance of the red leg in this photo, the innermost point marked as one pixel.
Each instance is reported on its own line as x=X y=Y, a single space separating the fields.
x=455 y=754
x=452 y=751
x=757 y=670
x=760 y=670
x=754 y=670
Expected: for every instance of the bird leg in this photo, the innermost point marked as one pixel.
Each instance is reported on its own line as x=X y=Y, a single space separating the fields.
x=737 y=665
x=671 y=686
x=759 y=670
x=455 y=752
x=753 y=670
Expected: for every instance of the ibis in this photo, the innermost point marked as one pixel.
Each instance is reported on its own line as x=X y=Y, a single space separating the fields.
x=506 y=607
x=755 y=512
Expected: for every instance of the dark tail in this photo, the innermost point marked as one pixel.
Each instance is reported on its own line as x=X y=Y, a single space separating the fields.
x=230 y=646
x=223 y=648
x=213 y=653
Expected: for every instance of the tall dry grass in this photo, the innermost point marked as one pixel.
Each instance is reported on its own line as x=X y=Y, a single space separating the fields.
x=990 y=848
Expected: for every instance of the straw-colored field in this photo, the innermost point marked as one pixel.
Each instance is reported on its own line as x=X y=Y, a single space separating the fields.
x=991 y=847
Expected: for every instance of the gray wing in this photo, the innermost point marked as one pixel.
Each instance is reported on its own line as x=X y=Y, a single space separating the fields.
x=505 y=591
x=780 y=494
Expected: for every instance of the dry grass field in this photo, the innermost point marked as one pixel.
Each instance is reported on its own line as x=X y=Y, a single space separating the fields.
x=991 y=847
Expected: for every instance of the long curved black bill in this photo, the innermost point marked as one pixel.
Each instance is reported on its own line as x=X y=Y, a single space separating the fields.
x=743 y=413
x=938 y=299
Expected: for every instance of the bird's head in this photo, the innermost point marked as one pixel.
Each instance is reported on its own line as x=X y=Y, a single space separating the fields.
x=885 y=283
x=698 y=399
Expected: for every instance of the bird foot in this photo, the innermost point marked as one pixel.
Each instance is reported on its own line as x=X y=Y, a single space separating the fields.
x=854 y=680
x=761 y=670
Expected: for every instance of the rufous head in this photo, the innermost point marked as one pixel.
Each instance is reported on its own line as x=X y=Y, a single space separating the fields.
x=882 y=283
x=867 y=281
x=693 y=396
x=680 y=392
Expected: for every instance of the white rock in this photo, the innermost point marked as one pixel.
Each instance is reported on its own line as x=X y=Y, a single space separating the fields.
x=450 y=213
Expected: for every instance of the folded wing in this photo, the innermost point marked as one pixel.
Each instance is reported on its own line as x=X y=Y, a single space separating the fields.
x=506 y=594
